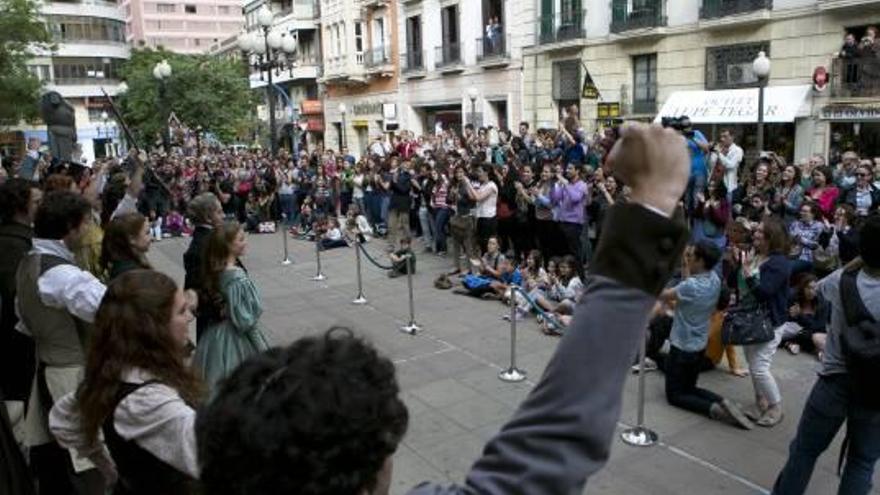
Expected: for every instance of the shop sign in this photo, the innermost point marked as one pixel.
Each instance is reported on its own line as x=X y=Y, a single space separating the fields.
x=736 y=106
x=589 y=91
x=374 y=108
x=311 y=107
x=851 y=112
x=360 y=123
x=609 y=110
x=314 y=123
x=97 y=102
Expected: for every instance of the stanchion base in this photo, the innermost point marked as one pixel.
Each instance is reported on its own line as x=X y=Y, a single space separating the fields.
x=639 y=436
x=319 y=277
x=412 y=329
x=360 y=300
x=287 y=262
x=512 y=375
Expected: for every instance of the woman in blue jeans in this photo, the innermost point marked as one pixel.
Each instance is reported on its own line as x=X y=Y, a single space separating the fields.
x=763 y=283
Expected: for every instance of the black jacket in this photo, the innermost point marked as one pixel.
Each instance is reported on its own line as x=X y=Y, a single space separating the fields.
x=16 y=349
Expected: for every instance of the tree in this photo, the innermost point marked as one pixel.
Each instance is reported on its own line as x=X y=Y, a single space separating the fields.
x=203 y=90
x=22 y=35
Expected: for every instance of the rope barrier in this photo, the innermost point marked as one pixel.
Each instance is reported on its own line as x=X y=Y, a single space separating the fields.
x=371 y=259
x=548 y=317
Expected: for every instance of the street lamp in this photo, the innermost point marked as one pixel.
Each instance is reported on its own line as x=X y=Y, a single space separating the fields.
x=473 y=93
x=272 y=51
x=761 y=68
x=162 y=72
x=342 y=110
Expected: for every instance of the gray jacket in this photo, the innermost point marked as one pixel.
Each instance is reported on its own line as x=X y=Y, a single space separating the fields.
x=562 y=433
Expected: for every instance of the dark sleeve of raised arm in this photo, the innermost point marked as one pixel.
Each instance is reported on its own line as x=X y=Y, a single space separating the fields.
x=562 y=433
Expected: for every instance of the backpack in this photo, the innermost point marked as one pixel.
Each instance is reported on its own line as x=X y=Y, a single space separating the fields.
x=860 y=343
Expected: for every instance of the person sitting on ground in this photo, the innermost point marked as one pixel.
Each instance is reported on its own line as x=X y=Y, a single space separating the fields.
x=487 y=270
x=400 y=259
x=695 y=298
x=508 y=276
x=155 y=226
x=808 y=317
x=357 y=225
x=125 y=245
x=564 y=290
x=174 y=223
x=333 y=237
x=256 y=436
x=133 y=415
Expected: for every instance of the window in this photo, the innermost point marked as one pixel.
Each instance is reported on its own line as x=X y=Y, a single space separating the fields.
x=414 y=42
x=644 y=83
x=165 y=8
x=358 y=37
x=80 y=28
x=731 y=66
x=189 y=9
x=567 y=80
x=197 y=42
x=223 y=10
x=40 y=71
x=75 y=70
x=378 y=32
x=449 y=16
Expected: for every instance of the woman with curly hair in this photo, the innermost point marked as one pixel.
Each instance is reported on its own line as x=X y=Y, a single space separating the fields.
x=125 y=245
x=133 y=414
x=237 y=336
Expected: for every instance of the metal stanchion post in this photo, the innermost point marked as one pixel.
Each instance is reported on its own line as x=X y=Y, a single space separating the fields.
x=512 y=374
x=413 y=327
x=320 y=275
x=283 y=228
x=638 y=435
x=360 y=299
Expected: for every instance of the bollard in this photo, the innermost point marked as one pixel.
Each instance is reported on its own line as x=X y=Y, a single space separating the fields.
x=638 y=435
x=512 y=374
x=320 y=275
x=360 y=299
x=413 y=327
x=283 y=228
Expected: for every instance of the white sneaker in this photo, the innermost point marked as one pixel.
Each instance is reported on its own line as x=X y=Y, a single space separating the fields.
x=650 y=365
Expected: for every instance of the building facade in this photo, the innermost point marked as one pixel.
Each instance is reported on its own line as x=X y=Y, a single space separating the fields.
x=654 y=57
x=450 y=49
x=192 y=26
x=90 y=50
x=298 y=109
x=360 y=71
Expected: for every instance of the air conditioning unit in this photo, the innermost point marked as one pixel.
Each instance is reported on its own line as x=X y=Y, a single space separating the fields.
x=741 y=73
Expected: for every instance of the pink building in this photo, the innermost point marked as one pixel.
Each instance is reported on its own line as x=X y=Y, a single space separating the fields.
x=188 y=26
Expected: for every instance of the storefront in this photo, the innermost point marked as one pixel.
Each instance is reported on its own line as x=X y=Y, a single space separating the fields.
x=854 y=127
x=12 y=146
x=310 y=123
x=785 y=107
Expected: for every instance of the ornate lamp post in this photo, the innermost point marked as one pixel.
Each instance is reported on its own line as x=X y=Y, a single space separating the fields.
x=270 y=51
x=162 y=72
x=761 y=68
x=473 y=93
x=342 y=110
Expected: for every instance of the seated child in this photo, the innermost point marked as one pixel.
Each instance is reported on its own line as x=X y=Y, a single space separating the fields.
x=487 y=270
x=399 y=258
x=357 y=224
x=155 y=226
x=174 y=223
x=332 y=238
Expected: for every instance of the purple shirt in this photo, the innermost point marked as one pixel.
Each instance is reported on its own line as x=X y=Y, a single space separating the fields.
x=570 y=200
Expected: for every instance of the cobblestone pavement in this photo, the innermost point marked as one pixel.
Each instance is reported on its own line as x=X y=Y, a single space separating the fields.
x=448 y=373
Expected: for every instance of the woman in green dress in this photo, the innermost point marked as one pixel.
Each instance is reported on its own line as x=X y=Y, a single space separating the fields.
x=228 y=343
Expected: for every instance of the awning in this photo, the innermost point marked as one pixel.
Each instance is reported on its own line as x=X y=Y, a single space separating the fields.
x=737 y=106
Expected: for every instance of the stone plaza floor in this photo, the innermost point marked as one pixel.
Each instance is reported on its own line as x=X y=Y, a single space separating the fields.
x=448 y=373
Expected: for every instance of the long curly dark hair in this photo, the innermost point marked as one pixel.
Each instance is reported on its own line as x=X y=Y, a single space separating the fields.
x=131 y=331
x=116 y=245
x=318 y=417
x=215 y=260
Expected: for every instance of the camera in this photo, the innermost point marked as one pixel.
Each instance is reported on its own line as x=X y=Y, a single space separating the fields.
x=681 y=124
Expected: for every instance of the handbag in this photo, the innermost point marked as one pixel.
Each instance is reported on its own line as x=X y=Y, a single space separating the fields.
x=747 y=326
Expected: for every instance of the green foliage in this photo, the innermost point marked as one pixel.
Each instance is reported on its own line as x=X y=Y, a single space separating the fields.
x=22 y=34
x=206 y=91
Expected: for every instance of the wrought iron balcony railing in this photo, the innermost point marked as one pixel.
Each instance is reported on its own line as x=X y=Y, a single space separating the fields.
x=855 y=77
x=493 y=47
x=714 y=9
x=641 y=14
x=562 y=26
x=448 y=54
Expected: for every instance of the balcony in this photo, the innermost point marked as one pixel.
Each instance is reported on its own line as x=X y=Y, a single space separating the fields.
x=377 y=58
x=714 y=9
x=846 y=4
x=562 y=27
x=447 y=57
x=855 y=77
x=643 y=15
x=494 y=51
x=413 y=63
